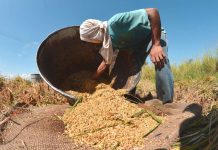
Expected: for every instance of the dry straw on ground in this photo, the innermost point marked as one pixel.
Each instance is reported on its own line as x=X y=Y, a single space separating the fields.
x=104 y=119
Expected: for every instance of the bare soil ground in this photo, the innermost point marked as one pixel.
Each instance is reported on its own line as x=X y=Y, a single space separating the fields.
x=39 y=128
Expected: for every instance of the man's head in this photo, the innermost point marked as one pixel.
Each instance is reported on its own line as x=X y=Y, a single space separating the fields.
x=92 y=30
x=95 y=31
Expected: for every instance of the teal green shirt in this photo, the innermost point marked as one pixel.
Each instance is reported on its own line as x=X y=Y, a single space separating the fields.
x=129 y=29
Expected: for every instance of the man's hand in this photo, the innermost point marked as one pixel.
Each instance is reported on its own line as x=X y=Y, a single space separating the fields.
x=101 y=69
x=157 y=56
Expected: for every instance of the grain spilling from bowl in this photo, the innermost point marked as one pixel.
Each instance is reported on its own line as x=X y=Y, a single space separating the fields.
x=104 y=119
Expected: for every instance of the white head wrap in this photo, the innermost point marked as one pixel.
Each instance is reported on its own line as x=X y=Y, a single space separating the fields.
x=95 y=31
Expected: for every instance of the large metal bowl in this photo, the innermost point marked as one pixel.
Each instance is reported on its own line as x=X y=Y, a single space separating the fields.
x=63 y=53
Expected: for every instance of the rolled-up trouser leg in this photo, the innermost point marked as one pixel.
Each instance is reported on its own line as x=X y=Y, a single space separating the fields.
x=164 y=77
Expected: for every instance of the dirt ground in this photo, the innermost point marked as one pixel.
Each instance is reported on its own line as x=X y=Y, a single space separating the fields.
x=39 y=128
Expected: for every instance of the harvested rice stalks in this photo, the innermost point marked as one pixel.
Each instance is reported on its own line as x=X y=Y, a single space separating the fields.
x=202 y=134
x=105 y=120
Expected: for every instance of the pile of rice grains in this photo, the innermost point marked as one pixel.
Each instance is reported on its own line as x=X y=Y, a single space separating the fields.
x=104 y=119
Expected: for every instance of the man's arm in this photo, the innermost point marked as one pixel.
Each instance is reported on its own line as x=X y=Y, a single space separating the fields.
x=101 y=69
x=157 y=54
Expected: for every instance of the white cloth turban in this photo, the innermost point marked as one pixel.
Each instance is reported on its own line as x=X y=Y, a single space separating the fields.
x=95 y=31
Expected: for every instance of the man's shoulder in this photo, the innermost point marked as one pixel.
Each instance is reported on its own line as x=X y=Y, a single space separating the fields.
x=122 y=16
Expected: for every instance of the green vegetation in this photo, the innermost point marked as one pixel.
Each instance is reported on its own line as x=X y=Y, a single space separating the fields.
x=190 y=70
x=197 y=69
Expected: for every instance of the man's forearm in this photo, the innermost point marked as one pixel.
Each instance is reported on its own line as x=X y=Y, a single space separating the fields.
x=156 y=53
x=101 y=69
x=154 y=18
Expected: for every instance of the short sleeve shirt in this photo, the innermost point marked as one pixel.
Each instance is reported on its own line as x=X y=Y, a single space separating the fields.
x=127 y=30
